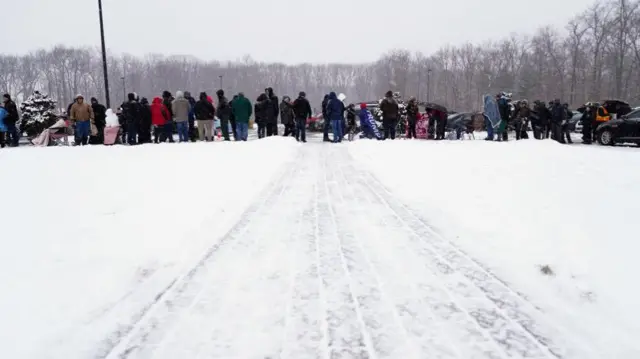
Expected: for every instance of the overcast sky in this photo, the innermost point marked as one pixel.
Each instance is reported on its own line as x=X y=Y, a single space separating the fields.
x=289 y=31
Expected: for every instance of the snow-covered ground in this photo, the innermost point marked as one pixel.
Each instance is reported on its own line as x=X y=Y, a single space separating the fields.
x=273 y=249
x=90 y=235
x=518 y=206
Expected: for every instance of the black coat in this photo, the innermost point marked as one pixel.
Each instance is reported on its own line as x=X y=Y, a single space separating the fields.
x=261 y=109
x=224 y=109
x=389 y=108
x=145 y=116
x=325 y=102
x=131 y=112
x=558 y=114
x=302 y=108
x=167 y=103
x=272 y=110
x=12 y=112
x=99 y=115
x=412 y=111
x=204 y=110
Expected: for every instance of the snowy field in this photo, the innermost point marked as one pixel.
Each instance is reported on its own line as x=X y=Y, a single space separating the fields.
x=273 y=249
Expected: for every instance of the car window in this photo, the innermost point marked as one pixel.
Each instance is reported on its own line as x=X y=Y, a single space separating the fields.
x=634 y=114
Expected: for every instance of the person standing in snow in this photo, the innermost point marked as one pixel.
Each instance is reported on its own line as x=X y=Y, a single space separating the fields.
x=161 y=121
x=335 y=112
x=325 y=116
x=261 y=109
x=541 y=124
x=224 y=114
x=193 y=132
x=412 y=117
x=302 y=111
x=82 y=115
x=241 y=108
x=521 y=117
x=11 y=121
x=232 y=117
x=287 y=116
x=588 y=118
x=100 y=120
x=144 y=134
x=389 y=108
x=181 y=109
x=131 y=113
x=558 y=117
x=272 y=111
x=205 y=114
x=351 y=122
x=505 y=114
x=566 y=132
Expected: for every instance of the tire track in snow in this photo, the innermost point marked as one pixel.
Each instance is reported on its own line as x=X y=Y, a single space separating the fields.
x=137 y=334
x=510 y=320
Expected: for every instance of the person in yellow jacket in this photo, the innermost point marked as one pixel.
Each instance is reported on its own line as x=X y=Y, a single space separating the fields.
x=81 y=115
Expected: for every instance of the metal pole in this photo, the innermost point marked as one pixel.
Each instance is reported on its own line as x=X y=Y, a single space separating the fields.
x=428 y=85
x=104 y=58
x=220 y=81
x=124 y=90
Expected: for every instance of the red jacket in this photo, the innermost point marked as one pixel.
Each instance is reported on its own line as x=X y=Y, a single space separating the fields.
x=159 y=113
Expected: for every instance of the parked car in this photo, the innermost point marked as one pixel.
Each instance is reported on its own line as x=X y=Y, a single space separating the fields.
x=575 y=123
x=620 y=130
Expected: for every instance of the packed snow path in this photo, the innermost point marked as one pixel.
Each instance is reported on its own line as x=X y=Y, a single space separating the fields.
x=328 y=264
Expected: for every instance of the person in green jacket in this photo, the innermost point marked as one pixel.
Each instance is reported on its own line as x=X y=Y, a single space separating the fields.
x=242 y=110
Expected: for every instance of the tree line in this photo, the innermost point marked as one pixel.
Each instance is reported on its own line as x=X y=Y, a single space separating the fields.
x=595 y=56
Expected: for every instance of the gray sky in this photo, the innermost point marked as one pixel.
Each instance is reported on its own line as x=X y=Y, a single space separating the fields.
x=289 y=31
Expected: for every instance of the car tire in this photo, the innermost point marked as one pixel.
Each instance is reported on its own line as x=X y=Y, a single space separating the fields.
x=605 y=138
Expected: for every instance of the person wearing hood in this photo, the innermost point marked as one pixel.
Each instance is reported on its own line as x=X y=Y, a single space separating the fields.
x=262 y=113
x=541 y=122
x=193 y=132
x=144 y=130
x=11 y=120
x=131 y=112
x=335 y=112
x=287 y=116
x=389 y=108
x=3 y=127
x=272 y=112
x=82 y=115
x=521 y=119
x=181 y=109
x=161 y=121
x=566 y=131
x=302 y=111
x=224 y=114
x=232 y=117
x=588 y=119
x=558 y=117
x=327 y=122
x=100 y=120
x=412 y=118
x=205 y=114
x=241 y=108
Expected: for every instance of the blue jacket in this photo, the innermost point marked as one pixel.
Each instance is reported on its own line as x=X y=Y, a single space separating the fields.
x=335 y=108
x=3 y=115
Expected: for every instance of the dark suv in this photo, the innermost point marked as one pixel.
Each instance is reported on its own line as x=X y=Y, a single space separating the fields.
x=624 y=129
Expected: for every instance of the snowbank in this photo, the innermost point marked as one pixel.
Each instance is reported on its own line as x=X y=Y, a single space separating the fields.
x=91 y=235
x=520 y=205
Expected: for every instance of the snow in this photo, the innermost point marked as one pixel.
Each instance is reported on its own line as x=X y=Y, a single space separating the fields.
x=273 y=249
x=90 y=235
x=517 y=206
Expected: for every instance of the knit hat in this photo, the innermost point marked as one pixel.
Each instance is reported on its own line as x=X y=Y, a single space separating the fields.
x=363 y=106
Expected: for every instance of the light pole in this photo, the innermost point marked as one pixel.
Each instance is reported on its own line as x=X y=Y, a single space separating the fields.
x=124 y=90
x=428 y=84
x=220 y=77
x=104 y=58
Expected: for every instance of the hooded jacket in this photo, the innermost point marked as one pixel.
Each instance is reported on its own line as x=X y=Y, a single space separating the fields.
x=389 y=108
x=412 y=111
x=204 y=109
x=325 y=101
x=262 y=109
x=273 y=108
x=335 y=108
x=99 y=113
x=224 y=108
x=286 y=111
x=181 y=108
x=12 y=111
x=81 y=112
x=241 y=108
x=159 y=113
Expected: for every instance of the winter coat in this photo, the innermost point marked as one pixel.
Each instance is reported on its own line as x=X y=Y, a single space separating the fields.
x=192 y=108
x=204 y=110
x=181 y=108
x=286 y=113
x=3 y=115
x=325 y=101
x=302 y=108
x=12 y=112
x=588 y=117
x=241 y=108
x=558 y=114
x=262 y=109
x=99 y=115
x=412 y=111
x=224 y=109
x=272 y=109
x=81 y=112
x=159 y=113
x=544 y=115
x=389 y=108
x=351 y=117
x=504 y=108
x=335 y=108
x=522 y=113
x=145 y=114
x=131 y=112
x=167 y=102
